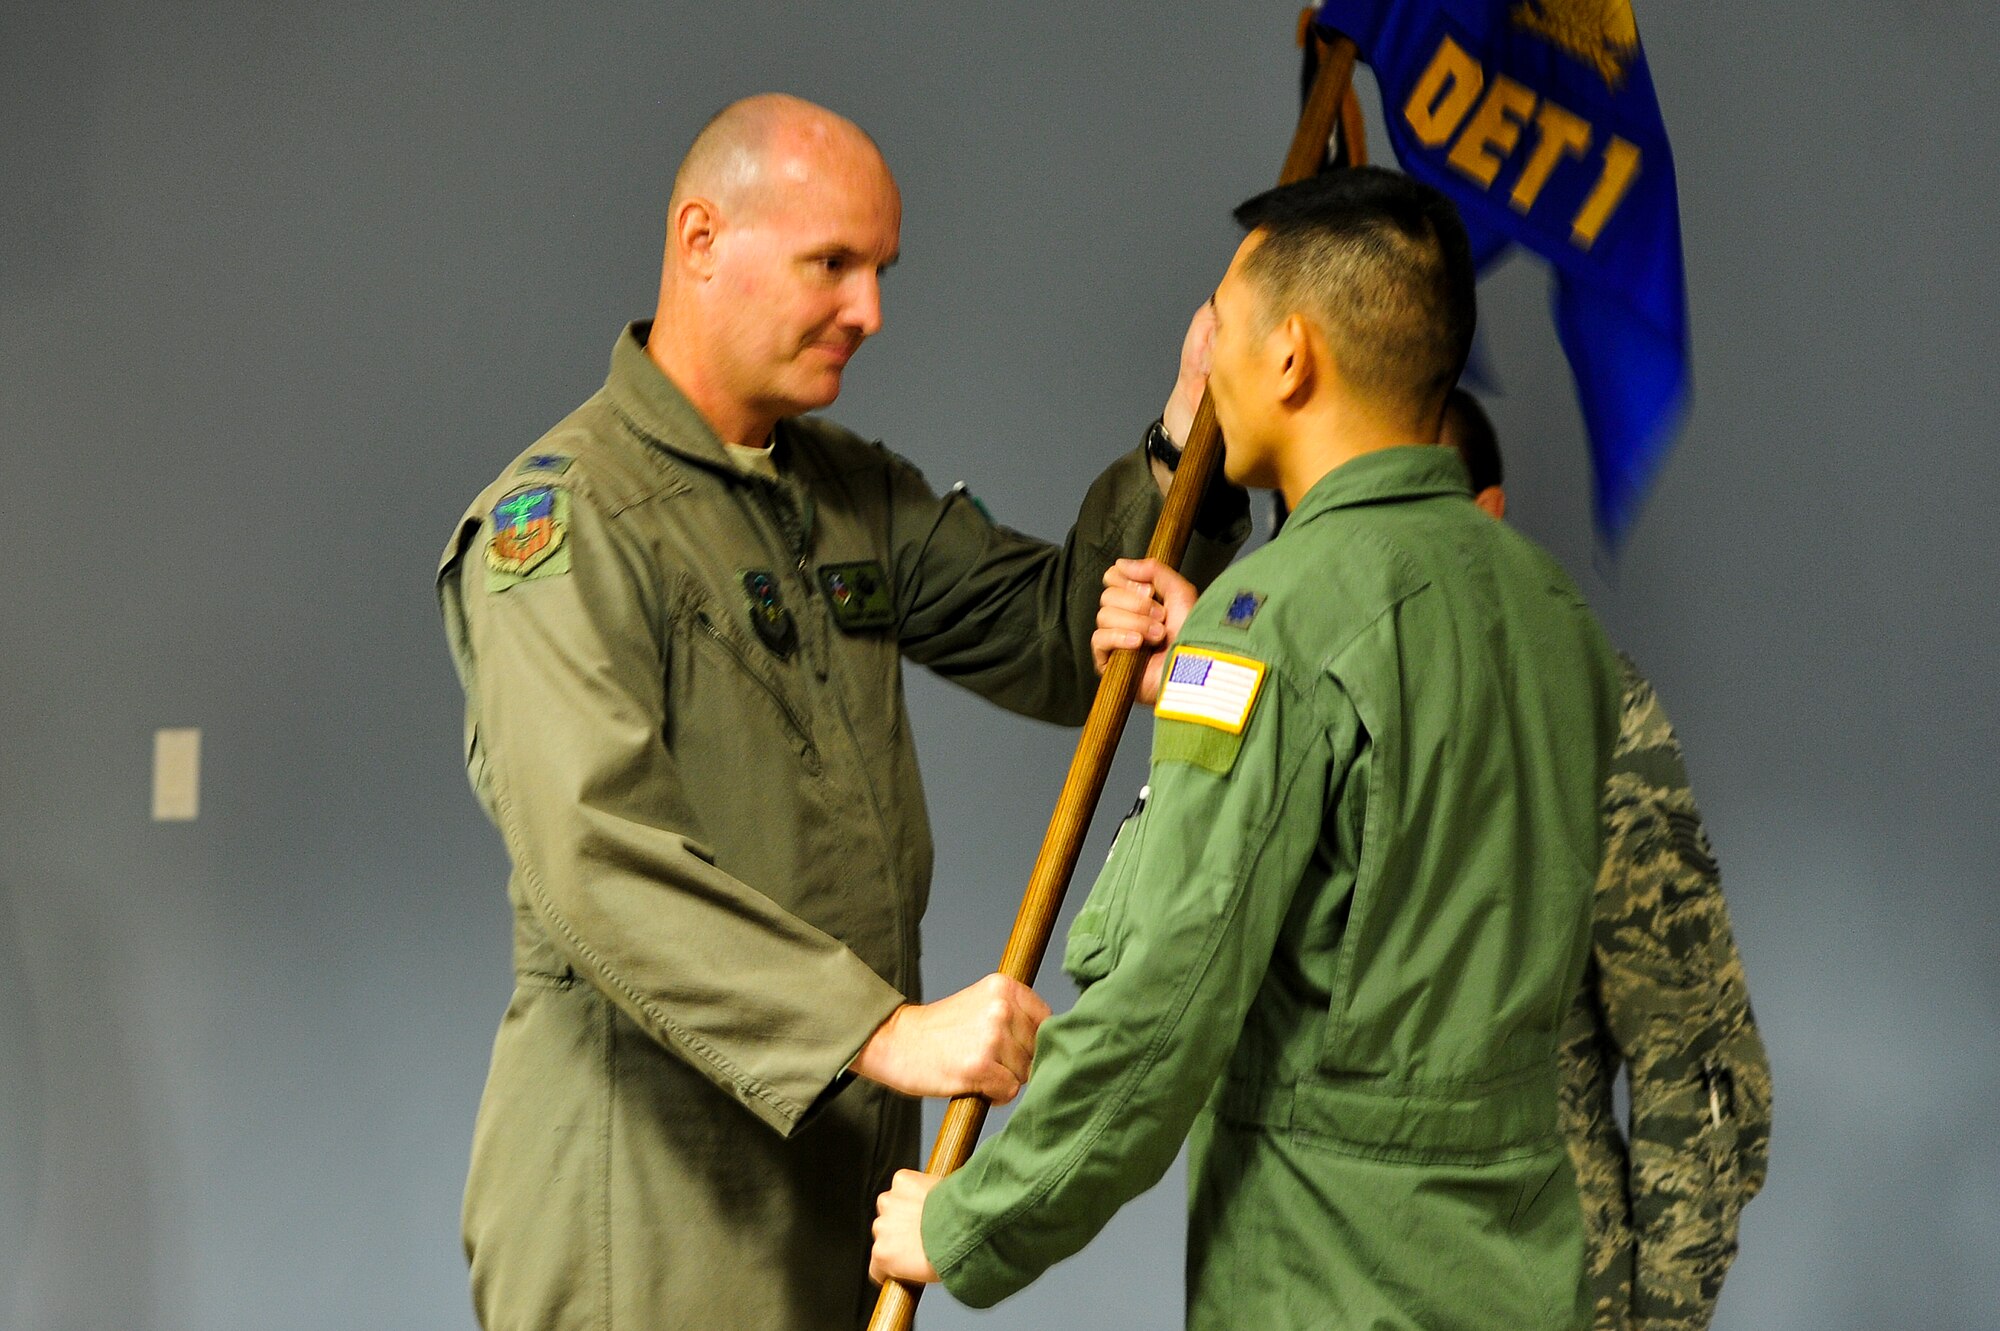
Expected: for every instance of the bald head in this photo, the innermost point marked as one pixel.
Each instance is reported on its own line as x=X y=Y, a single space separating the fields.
x=784 y=216
x=760 y=145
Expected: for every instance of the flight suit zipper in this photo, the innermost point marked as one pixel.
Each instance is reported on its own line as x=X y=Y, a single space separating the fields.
x=782 y=520
x=783 y=516
x=905 y=926
x=791 y=533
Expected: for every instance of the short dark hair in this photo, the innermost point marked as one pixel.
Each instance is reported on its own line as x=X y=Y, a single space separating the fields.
x=1476 y=441
x=1381 y=263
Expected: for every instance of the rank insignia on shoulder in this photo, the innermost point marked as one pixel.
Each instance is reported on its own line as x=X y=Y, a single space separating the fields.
x=774 y=624
x=529 y=530
x=1214 y=693
x=859 y=595
x=553 y=463
x=1243 y=608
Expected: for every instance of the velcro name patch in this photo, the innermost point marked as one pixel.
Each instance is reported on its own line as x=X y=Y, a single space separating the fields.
x=859 y=594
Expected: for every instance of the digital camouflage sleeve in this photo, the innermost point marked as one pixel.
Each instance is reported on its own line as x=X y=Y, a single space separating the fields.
x=1663 y=996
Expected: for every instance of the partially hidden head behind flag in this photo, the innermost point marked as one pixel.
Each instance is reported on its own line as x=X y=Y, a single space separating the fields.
x=1538 y=119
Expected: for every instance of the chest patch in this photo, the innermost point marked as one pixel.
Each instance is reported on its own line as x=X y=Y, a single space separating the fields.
x=528 y=531
x=769 y=615
x=1210 y=688
x=858 y=594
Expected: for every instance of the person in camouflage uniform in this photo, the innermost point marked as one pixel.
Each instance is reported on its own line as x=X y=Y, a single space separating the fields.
x=1664 y=998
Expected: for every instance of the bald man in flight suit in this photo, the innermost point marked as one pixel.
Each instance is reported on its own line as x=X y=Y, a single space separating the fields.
x=679 y=619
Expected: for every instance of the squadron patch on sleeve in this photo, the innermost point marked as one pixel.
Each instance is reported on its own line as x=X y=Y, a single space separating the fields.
x=859 y=595
x=528 y=536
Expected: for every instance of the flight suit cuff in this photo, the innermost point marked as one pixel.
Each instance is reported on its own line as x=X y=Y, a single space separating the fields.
x=833 y=1088
x=1221 y=526
x=788 y=1083
x=1124 y=507
x=968 y=1261
x=874 y=1014
x=1224 y=513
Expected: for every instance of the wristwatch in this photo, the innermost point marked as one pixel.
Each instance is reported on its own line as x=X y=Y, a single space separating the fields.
x=1160 y=446
x=1224 y=511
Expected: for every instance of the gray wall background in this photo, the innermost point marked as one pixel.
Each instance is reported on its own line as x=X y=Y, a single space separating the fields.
x=282 y=287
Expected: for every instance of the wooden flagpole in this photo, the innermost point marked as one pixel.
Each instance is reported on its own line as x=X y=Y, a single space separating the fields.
x=1035 y=921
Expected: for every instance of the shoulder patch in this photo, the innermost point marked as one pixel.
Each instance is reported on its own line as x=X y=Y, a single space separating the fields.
x=1243 y=608
x=554 y=464
x=528 y=536
x=1210 y=688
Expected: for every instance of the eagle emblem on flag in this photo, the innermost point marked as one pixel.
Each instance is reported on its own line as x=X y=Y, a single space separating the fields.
x=1601 y=33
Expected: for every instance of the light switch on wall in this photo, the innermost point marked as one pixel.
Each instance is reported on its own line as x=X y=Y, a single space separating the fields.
x=176 y=775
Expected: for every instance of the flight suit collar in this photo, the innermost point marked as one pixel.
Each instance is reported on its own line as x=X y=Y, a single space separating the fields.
x=654 y=405
x=1388 y=475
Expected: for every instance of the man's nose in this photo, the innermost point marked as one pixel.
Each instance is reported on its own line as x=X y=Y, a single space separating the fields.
x=863 y=311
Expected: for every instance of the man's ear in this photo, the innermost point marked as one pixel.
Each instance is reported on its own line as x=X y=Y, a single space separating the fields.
x=693 y=229
x=1295 y=360
x=1493 y=499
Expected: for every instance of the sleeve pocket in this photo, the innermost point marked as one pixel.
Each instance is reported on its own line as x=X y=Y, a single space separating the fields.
x=1092 y=948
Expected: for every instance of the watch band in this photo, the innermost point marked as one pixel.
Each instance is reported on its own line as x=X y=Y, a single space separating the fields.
x=1160 y=446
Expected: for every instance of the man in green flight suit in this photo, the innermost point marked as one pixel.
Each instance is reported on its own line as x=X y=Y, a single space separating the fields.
x=679 y=619
x=1345 y=920
x=1663 y=997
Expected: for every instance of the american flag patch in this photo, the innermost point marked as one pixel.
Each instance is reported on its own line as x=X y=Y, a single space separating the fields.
x=1210 y=688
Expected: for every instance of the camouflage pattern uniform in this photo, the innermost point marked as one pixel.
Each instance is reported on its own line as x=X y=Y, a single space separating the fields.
x=1664 y=996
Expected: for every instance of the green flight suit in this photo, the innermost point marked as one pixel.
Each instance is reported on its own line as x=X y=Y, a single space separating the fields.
x=1665 y=998
x=1352 y=930
x=684 y=712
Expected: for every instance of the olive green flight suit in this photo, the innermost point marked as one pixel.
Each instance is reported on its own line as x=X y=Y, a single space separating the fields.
x=684 y=712
x=1664 y=997
x=1352 y=929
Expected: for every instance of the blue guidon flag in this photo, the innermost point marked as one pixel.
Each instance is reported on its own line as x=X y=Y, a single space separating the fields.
x=1538 y=119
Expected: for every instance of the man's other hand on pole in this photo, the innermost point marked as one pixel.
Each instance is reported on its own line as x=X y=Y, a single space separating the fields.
x=979 y=1041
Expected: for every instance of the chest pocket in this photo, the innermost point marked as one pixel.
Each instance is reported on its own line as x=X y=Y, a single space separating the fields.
x=1096 y=937
x=749 y=667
